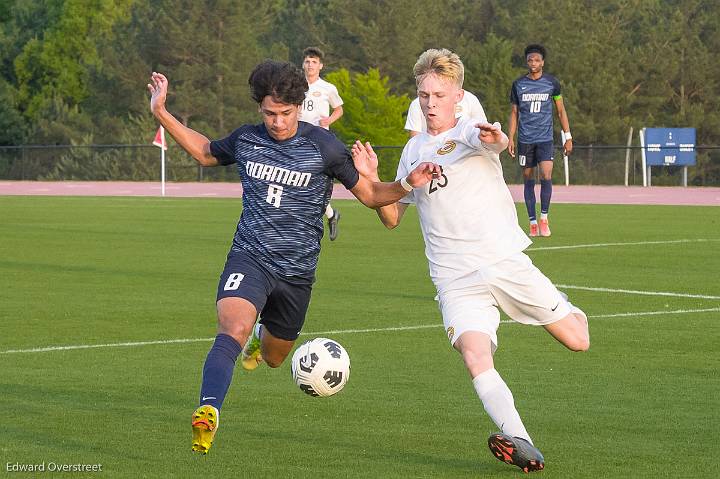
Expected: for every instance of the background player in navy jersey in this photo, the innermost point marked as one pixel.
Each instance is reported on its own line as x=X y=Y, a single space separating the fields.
x=532 y=97
x=286 y=169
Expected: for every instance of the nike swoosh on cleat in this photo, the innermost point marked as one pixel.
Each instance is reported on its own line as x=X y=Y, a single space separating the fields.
x=209 y=397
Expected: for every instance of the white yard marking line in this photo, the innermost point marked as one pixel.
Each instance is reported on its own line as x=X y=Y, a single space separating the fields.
x=635 y=243
x=337 y=331
x=654 y=313
x=108 y=345
x=644 y=293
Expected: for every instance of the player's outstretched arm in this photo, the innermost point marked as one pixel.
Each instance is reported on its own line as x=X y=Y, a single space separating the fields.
x=372 y=192
x=196 y=144
x=366 y=162
x=375 y=194
x=492 y=136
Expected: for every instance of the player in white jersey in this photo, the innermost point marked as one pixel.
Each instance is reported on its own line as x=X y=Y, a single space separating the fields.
x=320 y=97
x=469 y=107
x=475 y=246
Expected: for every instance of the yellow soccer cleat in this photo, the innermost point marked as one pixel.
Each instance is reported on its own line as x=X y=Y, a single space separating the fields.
x=205 y=421
x=251 y=357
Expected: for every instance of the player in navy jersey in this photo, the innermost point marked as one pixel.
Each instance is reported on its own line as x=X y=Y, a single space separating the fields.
x=286 y=168
x=532 y=97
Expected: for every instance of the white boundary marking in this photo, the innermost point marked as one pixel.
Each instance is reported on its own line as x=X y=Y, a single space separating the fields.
x=655 y=313
x=337 y=331
x=644 y=293
x=636 y=243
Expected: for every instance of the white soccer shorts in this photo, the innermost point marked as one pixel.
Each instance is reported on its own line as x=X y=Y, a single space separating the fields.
x=515 y=285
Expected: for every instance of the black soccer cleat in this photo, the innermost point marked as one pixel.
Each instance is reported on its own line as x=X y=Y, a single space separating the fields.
x=333 y=224
x=516 y=451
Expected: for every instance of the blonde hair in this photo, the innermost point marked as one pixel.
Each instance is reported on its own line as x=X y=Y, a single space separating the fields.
x=443 y=63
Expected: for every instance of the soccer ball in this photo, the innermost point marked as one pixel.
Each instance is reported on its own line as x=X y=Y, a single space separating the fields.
x=320 y=367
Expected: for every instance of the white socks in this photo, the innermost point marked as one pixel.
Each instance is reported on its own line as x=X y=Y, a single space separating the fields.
x=499 y=404
x=329 y=211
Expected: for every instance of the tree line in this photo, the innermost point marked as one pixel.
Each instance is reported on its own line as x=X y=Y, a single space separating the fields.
x=74 y=71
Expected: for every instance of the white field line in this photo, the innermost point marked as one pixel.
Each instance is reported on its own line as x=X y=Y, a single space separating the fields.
x=604 y=245
x=652 y=313
x=107 y=345
x=336 y=331
x=644 y=293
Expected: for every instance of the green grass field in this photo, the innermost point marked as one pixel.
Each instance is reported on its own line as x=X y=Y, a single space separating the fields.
x=643 y=402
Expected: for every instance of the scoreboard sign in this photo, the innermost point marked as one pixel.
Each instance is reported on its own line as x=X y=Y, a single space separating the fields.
x=669 y=146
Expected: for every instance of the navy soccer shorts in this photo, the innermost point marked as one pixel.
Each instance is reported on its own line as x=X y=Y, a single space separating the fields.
x=530 y=154
x=282 y=305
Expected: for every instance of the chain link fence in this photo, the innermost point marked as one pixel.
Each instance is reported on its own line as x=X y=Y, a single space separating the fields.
x=588 y=165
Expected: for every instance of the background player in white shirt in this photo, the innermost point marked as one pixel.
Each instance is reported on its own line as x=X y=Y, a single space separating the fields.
x=475 y=246
x=320 y=97
x=469 y=106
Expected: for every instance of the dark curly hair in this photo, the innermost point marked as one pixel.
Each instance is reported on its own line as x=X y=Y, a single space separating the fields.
x=535 y=48
x=281 y=80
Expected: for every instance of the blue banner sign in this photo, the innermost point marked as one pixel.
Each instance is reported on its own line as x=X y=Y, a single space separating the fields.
x=670 y=146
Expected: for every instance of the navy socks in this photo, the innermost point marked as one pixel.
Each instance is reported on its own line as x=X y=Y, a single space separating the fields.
x=545 y=194
x=530 y=198
x=218 y=370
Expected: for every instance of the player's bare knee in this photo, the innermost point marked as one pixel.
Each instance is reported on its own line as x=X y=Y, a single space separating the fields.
x=233 y=326
x=477 y=360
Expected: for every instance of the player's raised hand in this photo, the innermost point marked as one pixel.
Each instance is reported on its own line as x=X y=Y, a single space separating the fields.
x=490 y=133
x=365 y=160
x=158 y=87
x=423 y=174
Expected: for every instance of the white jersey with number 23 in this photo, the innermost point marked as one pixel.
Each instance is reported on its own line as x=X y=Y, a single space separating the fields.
x=467 y=216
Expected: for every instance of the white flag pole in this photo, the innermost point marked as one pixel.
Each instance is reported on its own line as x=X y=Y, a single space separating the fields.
x=565 y=160
x=644 y=159
x=162 y=161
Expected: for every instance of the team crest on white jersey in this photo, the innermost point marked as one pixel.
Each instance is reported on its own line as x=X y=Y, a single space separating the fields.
x=316 y=93
x=447 y=148
x=458 y=109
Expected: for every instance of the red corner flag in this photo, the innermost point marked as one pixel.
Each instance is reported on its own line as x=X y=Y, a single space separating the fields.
x=160 y=138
